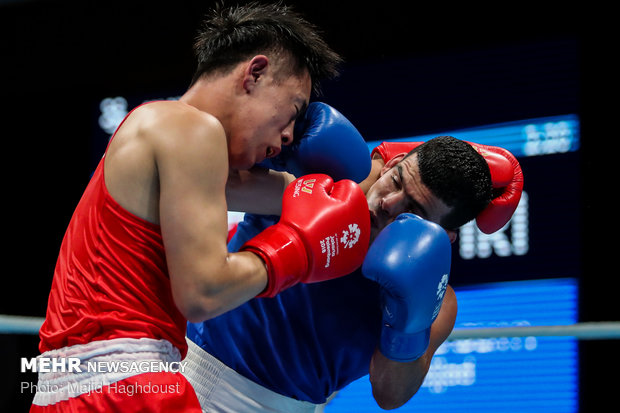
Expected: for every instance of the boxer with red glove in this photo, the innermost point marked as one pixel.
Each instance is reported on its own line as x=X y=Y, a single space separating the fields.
x=323 y=233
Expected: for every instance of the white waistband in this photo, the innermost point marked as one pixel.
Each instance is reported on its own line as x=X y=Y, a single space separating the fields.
x=220 y=389
x=101 y=363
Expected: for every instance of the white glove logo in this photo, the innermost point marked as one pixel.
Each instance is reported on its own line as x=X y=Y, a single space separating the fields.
x=441 y=290
x=441 y=287
x=349 y=238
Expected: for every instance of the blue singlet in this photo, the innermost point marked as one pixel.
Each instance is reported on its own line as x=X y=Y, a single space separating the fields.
x=305 y=343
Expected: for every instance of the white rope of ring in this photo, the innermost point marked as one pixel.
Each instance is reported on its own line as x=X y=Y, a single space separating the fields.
x=17 y=324
x=599 y=330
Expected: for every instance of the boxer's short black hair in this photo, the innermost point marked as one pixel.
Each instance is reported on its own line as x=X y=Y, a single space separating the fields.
x=231 y=35
x=458 y=175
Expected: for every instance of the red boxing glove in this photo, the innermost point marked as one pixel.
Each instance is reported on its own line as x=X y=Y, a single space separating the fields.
x=506 y=177
x=388 y=150
x=323 y=233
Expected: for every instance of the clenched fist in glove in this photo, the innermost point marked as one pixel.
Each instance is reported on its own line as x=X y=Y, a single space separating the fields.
x=323 y=233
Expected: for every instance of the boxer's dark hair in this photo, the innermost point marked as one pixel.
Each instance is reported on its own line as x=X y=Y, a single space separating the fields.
x=231 y=35
x=458 y=175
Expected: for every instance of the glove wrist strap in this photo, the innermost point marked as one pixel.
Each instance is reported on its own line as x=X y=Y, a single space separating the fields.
x=403 y=347
x=284 y=255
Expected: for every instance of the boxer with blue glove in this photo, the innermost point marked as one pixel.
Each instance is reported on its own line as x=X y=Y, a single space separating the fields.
x=291 y=352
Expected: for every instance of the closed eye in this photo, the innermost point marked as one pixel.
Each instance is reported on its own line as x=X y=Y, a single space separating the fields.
x=295 y=116
x=412 y=205
x=395 y=181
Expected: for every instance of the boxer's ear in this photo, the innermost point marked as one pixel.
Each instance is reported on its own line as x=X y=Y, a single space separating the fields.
x=254 y=70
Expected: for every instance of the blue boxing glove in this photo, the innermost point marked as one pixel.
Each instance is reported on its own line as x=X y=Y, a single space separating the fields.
x=325 y=142
x=410 y=259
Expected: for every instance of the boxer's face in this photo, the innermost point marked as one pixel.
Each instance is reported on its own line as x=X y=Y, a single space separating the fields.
x=266 y=121
x=399 y=189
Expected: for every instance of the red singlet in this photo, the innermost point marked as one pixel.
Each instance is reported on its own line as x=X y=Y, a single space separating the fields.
x=111 y=278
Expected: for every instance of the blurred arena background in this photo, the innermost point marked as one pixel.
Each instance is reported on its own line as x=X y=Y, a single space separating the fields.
x=411 y=69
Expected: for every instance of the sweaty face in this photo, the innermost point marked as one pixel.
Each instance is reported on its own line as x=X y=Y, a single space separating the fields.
x=398 y=190
x=269 y=117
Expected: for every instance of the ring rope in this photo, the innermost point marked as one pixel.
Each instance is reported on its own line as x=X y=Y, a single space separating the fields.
x=18 y=324
x=583 y=331
x=603 y=330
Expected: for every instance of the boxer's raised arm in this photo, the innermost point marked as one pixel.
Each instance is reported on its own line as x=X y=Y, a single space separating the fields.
x=206 y=280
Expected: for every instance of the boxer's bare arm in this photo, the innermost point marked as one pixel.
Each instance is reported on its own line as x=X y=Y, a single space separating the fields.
x=167 y=166
x=394 y=383
x=257 y=191
x=375 y=171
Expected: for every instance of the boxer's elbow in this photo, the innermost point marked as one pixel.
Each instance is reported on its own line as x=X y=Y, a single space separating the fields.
x=387 y=403
x=206 y=292
x=390 y=397
x=196 y=306
x=394 y=383
x=199 y=311
x=198 y=298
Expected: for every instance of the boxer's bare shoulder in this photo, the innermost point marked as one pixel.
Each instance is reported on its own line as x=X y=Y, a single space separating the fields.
x=168 y=121
x=154 y=136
